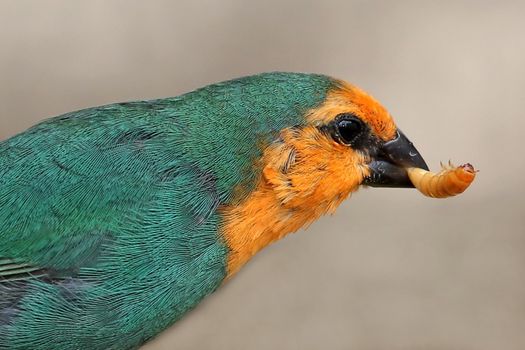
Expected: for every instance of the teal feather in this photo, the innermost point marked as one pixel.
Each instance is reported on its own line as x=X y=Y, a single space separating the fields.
x=109 y=223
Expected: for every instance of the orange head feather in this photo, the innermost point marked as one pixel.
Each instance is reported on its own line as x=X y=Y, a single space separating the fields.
x=308 y=172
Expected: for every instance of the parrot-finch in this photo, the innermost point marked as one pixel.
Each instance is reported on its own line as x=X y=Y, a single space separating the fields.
x=117 y=220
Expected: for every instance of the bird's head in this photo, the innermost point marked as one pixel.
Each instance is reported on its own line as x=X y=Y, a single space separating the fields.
x=314 y=140
x=347 y=141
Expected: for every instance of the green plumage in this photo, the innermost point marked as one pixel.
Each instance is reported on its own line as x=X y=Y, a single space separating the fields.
x=109 y=228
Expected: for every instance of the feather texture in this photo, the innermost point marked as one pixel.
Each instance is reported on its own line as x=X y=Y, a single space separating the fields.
x=109 y=216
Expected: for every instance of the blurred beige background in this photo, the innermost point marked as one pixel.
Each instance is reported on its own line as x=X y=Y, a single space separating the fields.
x=392 y=269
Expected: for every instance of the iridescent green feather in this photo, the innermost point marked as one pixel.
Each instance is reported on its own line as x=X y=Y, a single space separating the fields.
x=109 y=221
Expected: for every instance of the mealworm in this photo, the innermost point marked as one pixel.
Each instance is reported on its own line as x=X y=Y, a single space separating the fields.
x=450 y=181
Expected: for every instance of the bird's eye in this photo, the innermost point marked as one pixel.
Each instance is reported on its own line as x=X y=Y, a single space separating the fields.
x=348 y=127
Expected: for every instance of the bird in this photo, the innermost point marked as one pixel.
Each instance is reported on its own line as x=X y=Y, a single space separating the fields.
x=117 y=220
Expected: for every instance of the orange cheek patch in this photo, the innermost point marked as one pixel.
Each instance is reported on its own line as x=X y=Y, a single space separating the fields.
x=304 y=176
x=350 y=99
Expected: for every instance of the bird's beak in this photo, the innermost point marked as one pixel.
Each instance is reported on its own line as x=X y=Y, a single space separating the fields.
x=387 y=168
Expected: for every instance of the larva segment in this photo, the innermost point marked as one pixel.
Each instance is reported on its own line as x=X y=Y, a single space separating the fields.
x=450 y=181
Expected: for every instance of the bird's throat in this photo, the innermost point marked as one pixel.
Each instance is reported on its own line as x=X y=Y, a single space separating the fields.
x=260 y=220
x=290 y=193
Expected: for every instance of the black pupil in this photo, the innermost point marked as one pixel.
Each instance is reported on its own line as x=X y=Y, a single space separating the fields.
x=349 y=129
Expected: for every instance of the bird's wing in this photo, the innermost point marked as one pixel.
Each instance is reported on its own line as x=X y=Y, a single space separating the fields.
x=74 y=187
x=107 y=228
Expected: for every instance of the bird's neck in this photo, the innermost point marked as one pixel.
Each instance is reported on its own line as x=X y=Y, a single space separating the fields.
x=259 y=221
x=289 y=195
